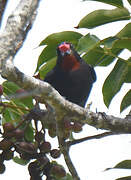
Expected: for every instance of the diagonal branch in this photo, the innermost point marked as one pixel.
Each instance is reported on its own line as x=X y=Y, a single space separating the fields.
x=62 y=107
x=18 y=23
x=98 y=136
x=65 y=150
x=2 y=9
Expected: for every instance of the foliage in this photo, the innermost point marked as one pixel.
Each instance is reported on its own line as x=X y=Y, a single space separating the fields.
x=95 y=51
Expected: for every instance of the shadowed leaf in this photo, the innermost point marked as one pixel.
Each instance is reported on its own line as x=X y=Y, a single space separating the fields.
x=114 y=81
x=126 y=101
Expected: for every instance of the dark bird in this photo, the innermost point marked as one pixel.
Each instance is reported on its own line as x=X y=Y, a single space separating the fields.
x=72 y=77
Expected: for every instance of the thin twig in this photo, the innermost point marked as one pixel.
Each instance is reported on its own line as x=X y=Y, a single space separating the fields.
x=98 y=136
x=65 y=151
x=5 y=105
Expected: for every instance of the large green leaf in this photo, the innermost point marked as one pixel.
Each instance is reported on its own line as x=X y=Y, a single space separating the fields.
x=56 y=38
x=48 y=53
x=123 y=43
x=114 y=81
x=86 y=43
x=111 y=52
x=102 y=16
x=98 y=56
x=126 y=164
x=94 y=56
x=108 y=42
x=47 y=67
x=125 y=32
x=126 y=101
x=117 y=3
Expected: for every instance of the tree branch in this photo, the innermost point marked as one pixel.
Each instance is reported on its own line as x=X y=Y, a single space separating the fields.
x=65 y=150
x=2 y=8
x=62 y=107
x=16 y=29
x=98 y=136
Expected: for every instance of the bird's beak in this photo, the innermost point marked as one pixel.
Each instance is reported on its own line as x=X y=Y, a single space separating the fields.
x=68 y=52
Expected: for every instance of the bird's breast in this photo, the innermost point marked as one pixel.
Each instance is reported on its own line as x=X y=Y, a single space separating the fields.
x=70 y=63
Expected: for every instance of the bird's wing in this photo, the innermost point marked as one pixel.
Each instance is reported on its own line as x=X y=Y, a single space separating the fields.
x=93 y=74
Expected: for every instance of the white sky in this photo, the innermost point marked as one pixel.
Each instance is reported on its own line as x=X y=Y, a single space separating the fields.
x=90 y=158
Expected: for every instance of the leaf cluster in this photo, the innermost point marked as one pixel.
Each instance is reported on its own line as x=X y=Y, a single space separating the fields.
x=96 y=51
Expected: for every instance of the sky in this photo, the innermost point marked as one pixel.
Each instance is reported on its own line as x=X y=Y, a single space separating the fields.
x=93 y=157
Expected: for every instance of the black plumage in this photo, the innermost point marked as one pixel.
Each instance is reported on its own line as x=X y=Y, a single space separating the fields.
x=72 y=77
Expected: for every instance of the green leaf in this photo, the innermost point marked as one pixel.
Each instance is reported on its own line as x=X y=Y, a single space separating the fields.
x=10 y=89
x=106 y=58
x=86 y=43
x=114 y=81
x=123 y=43
x=97 y=56
x=29 y=133
x=128 y=75
x=11 y=115
x=108 y=42
x=124 y=178
x=126 y=101
x=48 y=53
x=102 y=16
x=94 y=56
x=125 y=32
x=56 y=38
x=20 y=161
x=117 y=3
x=47 y=67
x=126 y=164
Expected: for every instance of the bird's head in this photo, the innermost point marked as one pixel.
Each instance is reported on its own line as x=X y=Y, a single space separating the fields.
x=67 y=56
x=64 y=49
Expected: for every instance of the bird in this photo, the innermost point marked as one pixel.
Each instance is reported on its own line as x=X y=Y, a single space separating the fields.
x=72 y=77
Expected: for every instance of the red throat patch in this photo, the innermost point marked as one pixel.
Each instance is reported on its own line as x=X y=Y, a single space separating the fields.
x=70 y=63
x=64 y=47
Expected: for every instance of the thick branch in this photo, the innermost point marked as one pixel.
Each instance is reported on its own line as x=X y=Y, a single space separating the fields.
x=15 y=31
x=63 y=107
x=2 y=8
